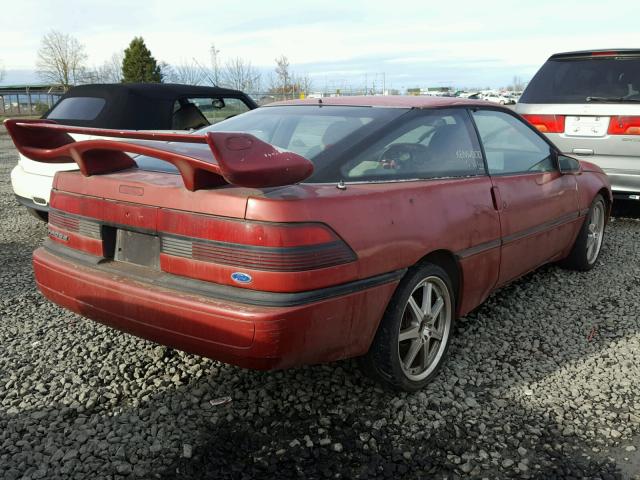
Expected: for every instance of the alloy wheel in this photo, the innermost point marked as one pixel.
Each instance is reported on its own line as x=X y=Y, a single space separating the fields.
x=425 y=328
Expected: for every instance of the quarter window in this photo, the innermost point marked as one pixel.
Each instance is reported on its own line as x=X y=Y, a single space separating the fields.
x=77 y=108
x=439 y=143
x=510 y=146
x=192 y=113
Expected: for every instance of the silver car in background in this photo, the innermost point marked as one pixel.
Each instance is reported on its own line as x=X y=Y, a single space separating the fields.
x=588 y=104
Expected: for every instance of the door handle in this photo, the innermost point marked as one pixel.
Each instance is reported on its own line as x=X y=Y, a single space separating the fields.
x=498 y=204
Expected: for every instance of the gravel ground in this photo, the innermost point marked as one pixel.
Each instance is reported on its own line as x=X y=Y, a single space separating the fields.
x=541 y=383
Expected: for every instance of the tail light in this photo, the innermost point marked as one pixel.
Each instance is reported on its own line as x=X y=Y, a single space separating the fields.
x=75 y=232
x=624 y=125
x=546 y=123
x=252 y=245
x=267 y=256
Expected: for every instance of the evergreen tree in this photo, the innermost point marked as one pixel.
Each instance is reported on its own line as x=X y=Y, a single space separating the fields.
x=139 y=65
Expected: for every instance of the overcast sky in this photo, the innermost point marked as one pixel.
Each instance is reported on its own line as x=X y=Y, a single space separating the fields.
x=415 y=43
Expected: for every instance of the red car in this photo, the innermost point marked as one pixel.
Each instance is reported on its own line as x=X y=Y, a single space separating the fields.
x=312 y=230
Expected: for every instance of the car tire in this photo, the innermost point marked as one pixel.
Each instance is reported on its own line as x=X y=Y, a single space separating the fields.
x=586 y=249
x=415 y=332
x=39 y=214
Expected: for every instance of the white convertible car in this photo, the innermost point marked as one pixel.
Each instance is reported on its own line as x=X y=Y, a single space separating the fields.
x=150 y=106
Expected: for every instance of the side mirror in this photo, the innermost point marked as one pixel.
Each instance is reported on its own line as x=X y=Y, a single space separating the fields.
x=568 y=165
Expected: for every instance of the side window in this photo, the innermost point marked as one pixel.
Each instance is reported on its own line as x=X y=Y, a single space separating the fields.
x=193 y=113
x=440 y=143
x=218 y=109
x=510 y=146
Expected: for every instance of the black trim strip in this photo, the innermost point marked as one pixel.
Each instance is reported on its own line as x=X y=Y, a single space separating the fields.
x=482 y=247
x=216 y=291
x=540 y=228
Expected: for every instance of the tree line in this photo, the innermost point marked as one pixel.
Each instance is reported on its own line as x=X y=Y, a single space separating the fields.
x=62 y=60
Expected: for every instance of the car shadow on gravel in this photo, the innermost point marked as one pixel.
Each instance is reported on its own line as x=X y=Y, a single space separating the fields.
x=506 y=404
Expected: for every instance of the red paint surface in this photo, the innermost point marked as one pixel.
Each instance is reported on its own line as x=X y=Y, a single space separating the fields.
x=389 y=226
x=253 y=337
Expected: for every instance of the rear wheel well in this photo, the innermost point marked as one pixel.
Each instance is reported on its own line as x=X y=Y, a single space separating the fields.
x=607 y=201
x=448 y=261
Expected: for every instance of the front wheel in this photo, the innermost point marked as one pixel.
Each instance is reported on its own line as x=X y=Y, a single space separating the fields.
x=586 y=249
x=414 y=334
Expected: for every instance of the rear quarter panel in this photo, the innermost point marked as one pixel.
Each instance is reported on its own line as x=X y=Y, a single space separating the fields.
x=592 y=180
x=392 y=226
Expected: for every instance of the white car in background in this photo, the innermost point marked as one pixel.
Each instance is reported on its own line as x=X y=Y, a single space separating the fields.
x=149 y=106
x=499 y=99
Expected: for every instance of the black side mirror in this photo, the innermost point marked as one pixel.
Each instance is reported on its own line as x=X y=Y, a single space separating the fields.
x=568 y=165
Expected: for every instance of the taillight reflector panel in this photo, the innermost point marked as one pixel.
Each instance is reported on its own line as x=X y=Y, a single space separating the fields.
x=546 y=123
x=624 y=125
x=277 y=259
x=77 y=225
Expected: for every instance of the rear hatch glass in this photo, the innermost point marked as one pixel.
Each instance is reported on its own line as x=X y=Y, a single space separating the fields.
x=580 y=79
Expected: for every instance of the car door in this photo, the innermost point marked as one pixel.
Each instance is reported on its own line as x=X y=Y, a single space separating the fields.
x=538 y=205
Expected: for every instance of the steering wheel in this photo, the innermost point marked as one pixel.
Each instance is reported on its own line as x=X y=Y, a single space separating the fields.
x=401 y=155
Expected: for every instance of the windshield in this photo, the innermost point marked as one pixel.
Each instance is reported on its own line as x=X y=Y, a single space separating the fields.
x=575 y=80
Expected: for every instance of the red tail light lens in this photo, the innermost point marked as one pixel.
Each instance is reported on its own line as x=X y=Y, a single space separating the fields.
x=547 y=123
x=254 y=245
x=624 y=125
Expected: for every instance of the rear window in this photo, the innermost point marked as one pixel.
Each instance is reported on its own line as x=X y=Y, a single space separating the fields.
x=318 y=133
x=77 y=108
x=573 y=80
x=315 y=132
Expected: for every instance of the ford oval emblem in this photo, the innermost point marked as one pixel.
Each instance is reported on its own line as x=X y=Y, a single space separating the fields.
x=240 y=277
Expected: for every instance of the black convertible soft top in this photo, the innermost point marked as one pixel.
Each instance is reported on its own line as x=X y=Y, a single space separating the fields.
x=139 y=106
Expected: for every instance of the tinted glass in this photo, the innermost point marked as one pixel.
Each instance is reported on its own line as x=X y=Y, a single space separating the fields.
x=573 y=80
x=77 y=108
x=511 y=146
x=319 y=133
x=436 y=144
x=309 y=130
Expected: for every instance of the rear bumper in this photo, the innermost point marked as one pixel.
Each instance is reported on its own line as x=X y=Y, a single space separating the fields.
x=251 y=336
x=31 y=189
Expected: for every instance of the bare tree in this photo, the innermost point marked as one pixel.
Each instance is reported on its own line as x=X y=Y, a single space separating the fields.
x=283 y=74
x=241 y=75
x=518 y=84
x=109 y=72
x=189 y=73
x=303 y=83
x=216 y=72
x=61 y=59
x=1 y=71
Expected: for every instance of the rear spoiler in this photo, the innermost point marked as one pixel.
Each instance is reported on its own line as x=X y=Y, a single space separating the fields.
x=232 y=158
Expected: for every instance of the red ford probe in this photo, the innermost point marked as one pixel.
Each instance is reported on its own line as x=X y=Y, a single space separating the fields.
x=311 y=231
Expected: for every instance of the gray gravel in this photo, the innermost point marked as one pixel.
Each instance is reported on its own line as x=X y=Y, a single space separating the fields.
x=542 y=382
